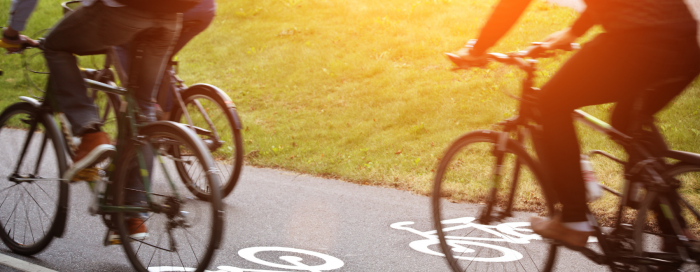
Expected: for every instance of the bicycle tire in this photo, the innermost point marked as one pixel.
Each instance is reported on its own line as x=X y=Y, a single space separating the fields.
x=230 y=155
x=48 y=196
x=196 y=225
x=476 y=167
x=688 y=174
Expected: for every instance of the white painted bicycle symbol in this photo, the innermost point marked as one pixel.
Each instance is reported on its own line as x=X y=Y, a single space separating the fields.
x=293 y=263
x=512 y=233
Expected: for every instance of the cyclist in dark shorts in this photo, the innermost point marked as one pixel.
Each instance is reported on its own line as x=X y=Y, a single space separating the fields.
x=647 y=44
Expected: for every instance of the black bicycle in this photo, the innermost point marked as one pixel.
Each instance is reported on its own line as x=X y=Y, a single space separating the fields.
x=181 y=232
x=499 y=162
x=204 y=108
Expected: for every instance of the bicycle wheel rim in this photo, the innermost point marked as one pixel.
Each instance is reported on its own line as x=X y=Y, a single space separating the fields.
x=229 y=156
x=469 y=163
x=197 y=235
x=33 y=210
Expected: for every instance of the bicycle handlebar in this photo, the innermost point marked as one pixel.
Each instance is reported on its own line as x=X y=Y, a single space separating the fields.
x=523 y=59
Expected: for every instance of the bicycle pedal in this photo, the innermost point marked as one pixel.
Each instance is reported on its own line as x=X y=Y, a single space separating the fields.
x=90 y=174
x=112 y=238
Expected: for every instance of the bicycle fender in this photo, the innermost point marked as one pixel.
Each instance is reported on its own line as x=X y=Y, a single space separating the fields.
x=216 y=91
x=221 y=95
x=30 y=100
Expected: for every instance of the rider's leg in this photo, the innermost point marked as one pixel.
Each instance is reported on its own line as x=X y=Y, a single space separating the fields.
x=96 y=28
x=608 y=69
x=195 y=21
x=622 y=120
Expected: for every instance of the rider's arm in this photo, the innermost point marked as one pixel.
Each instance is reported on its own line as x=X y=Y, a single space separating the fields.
x=504 y=16
x=19 y=13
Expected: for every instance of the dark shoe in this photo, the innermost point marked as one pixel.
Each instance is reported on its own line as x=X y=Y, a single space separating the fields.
x=94 y=148
x=553 y=229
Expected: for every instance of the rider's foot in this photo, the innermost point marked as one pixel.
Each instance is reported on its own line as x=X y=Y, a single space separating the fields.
x=94 y=148
x=137 y=231
x=137 y=228
x=554 y=229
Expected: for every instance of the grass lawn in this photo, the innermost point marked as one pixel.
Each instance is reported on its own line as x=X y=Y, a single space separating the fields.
x=359 y=90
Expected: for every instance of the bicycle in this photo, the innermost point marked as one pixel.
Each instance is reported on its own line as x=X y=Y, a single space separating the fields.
x=185 y=230
x=654 y=179
x=204 y=108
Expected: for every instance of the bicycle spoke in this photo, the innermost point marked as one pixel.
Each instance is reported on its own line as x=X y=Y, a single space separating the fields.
x=37 y=203
x=31 y=232
x=3 y=201
x=180 y=258
x=47 y=194
x=154 y=252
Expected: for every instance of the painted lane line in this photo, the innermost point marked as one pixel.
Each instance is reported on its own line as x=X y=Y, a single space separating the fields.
x=22 y=265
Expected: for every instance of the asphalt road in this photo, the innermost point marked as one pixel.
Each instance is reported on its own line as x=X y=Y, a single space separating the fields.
x=280 y=212
x=282 y=221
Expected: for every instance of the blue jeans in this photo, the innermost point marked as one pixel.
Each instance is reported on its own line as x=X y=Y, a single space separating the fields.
x=194 y=21
x=92 y=30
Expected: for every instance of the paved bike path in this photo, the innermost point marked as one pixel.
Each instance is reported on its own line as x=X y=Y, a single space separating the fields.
x=273 y=214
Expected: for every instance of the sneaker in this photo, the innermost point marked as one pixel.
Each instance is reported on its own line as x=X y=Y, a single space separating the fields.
x=137 y=231
x=137 y=228
x=94 y=148
x=554 y=229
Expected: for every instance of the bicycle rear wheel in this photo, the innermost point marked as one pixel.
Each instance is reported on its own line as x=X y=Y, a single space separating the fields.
x=649 y=240
x=184 y=234
x=466 y=172
x=218 y=125
x=33 y=200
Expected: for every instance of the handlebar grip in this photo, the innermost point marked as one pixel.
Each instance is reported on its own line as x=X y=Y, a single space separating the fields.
x=7 y=45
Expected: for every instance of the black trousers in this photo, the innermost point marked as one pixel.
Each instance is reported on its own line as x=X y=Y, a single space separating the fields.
x=613 y=67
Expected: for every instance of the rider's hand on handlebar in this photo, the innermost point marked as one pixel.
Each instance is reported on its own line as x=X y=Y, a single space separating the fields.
x=559 y=39
x=12 y=37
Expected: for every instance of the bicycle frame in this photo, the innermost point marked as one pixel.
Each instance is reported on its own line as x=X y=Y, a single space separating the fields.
x=127 y=130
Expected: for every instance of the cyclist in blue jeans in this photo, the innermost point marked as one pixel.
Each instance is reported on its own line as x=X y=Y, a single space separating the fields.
x=194 y=21
x=648 y=44
x=91 y=29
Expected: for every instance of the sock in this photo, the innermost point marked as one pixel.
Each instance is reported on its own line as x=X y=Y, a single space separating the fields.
x=578 y=226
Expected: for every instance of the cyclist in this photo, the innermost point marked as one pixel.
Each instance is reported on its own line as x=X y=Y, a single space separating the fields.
x=647 y=44
x=194 y=21
x=91 y=29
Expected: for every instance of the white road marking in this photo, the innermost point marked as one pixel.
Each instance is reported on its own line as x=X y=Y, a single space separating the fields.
x=22 y=265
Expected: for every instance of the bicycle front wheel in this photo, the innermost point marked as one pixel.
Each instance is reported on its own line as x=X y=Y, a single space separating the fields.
x=217 y=123
x=177 y=231
x=33 y=199
x=466 y=173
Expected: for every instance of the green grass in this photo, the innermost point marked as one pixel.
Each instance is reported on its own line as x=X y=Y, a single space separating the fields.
x=359 y=90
